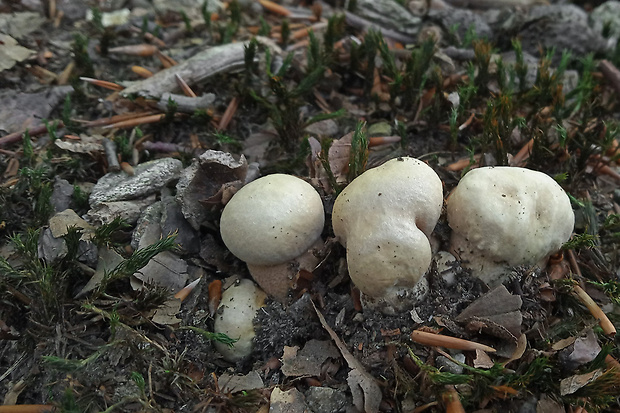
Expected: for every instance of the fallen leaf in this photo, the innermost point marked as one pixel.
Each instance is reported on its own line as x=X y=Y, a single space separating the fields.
x=364 y=389
x=86 y=144
x=307 y=362
x=166 y=313
x=233 y=383
x=11 y=52
x=571 y=384
x=107 y=261
x=482 y=360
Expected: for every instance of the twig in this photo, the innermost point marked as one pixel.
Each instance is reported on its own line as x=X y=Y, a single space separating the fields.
x=114 y=119
x=439 y=340
x=275 y=8
x=363 y=24
x=103 y=83
x=130 y=123
x=229 y=113
x=611 y=72
x=451 y=400
x=135 y=50
x=111 y=155
x=523 y=154
x=166 y=61
x=595 y=310
x=573 y=262
x=215 y=60
x=185 y=291
x=185 y=87
x=28 y=408
x=186 y=104
x=17 y=136
x=141 y=71
x=382 y=140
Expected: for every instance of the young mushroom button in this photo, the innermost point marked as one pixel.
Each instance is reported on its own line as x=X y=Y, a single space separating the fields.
x=502 y=217
x=384 y=218
x=271 y=222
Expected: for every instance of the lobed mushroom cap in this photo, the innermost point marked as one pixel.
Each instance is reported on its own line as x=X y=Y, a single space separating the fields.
x=508 y=215
x=272 y=220
x=384 y=218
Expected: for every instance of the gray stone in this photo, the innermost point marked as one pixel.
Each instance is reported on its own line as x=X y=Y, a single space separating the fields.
x=462 y=19
x=51 y=248
x=61 y=195
x=129 y=211
x=149 y=178
x=151 y=215
x=389 y=14
x=173 y=221
x=447 y=365
x=607 y=14
x=325 y=400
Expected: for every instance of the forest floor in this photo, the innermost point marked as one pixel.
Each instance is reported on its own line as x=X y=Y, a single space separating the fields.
x=126 y=128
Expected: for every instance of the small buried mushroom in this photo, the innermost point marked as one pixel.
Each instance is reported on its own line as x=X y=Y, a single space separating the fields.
x=235 y=318
x=272 y=224
x=502 y=217
x=384 y=218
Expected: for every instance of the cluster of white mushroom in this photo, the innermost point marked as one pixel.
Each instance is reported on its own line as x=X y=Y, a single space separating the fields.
x=500 y=217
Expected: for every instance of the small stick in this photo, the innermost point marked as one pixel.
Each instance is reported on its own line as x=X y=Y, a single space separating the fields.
x=595 y=310
x=184 y=86
x=103 y=83
x=461 y=164
x=141 y=71
x=166 y=61
x=425 y=407
x=451 y=400
x=439 y=340
x=143 y=50
x=130 y=123
x=184 y=292
x=27 y=408
x=607 y=170
x=573 y=262
x=467 y=122
x=215 y=296
x=612 y=363
x=523 y=154
x=63 y=77
x=275 y=8
x=111 y=155
x=229 y=113
x=611 y=72
x=114 y=119
x=382 y=140
x=300 y=34
x=363 y=24
x=17 y=136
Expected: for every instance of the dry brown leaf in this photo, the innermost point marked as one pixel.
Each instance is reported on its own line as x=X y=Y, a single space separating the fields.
x=364 y=389
x=309 y=360
x=571 y=384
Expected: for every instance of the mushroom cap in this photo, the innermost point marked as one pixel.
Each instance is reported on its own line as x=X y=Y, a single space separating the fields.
x=508 y=215
x=384 y=218
x=272 y=220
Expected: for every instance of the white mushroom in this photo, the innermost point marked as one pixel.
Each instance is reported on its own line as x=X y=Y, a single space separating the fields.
x=384 y=218
x=270 y=223
x=235 y=318
x=506 y=216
